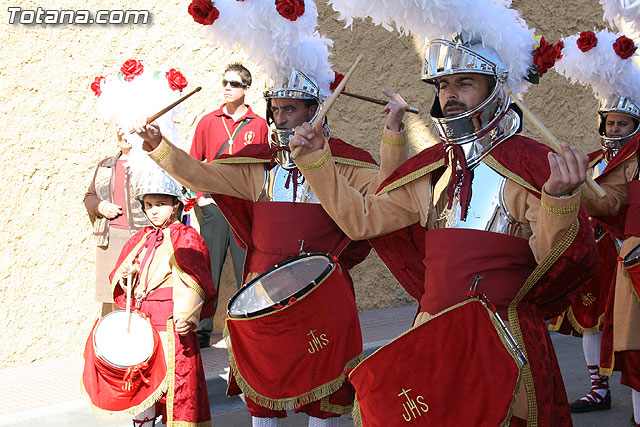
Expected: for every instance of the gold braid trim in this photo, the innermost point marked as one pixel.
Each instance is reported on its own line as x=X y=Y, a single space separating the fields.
x=609 y=371
x=355 y=414
x=288 y=403
x=235 y=160
x=560 y=210
x=189 y=424
x=497 y=166
x=581 y=329
x=556 y=327
x=395 y=142
x=357 y=163
x=171 y=369
x=162 y=154
x=557 y=250
x=327 y=406
x=316 y=164
x=411 y=177
x=127 y=414
x=187 y=279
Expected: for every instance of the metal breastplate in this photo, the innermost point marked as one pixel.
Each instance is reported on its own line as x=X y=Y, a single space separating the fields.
x=487 y=208
x=598 y=168
x=275 y=186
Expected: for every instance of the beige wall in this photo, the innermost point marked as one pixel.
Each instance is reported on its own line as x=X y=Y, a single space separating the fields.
x=52 y=139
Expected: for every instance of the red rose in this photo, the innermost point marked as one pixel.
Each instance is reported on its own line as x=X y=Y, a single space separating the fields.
x=624 y=47
x=189 y=204
x=95 y=86
x=546 y=55
x=203 y=12
x=290 y=9
x=176 y=79
x=131 y=68
x=337 y=78
x=587 y=41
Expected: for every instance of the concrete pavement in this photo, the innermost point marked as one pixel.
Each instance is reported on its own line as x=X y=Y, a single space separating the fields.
x=48 y=394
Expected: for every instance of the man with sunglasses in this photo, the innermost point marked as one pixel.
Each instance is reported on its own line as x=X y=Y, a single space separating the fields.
x=224 y=131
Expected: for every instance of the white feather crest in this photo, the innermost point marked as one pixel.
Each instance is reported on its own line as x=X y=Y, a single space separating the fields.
x=600 y=67
x=274 y=42
x=500 y=28
x=623 y=15
x=123 y=101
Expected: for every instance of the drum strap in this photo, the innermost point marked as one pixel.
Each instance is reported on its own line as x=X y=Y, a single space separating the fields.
x=341 y=246
x=154 y=240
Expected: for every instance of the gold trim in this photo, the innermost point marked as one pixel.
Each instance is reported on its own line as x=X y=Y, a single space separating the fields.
x=581 y=329
x=560 y=210
x=316 y=164
x=186 y=278
x=411 y=177
x=163 y=154
x=355 y=414
x=235 y=160
x=189 y=424
x=356 y=163
x=395 y=142
x=171 y=369
x=327 y=406
x=557 y=250
x=560 y=320
x=609 y=371
x=497 y=166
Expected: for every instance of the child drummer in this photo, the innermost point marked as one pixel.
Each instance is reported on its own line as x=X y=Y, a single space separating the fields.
x=168 y=268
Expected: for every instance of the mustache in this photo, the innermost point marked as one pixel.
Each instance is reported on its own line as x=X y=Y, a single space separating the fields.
x=453 y=103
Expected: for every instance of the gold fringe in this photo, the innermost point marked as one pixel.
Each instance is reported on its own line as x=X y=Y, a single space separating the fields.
x=411 y=177
x=556 y=327
x=291 y=402
x=557 y=250
x=186 y=278
x=581 y=329
x=189 y=424
x=316 y=164
x=357 y=163
x=355 y=414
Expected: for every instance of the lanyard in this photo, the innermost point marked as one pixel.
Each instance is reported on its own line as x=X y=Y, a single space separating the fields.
x=235 y=132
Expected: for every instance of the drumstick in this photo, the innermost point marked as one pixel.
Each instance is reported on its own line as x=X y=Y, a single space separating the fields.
x=555 y=143
x=169 y=107
x=192 y=312
x=327 y=105
x=409 y=109
x=129 y=301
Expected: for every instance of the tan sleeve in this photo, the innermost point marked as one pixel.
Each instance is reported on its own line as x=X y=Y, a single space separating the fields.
x=548 y=217
x=185 y=299
x=239 y=180
x=360 y=217
x=615 y=184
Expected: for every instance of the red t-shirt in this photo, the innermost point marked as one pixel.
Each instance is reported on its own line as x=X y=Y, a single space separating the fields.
x=211 y=134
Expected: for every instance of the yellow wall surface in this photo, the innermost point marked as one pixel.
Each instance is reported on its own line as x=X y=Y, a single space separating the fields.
x=52 y=139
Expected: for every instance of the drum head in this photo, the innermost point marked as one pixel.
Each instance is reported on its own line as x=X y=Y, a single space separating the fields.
x=120 y=348
x=632 y=257
x=293 y=278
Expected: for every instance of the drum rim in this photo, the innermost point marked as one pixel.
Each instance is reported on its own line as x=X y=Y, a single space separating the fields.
x=114 y=365
x=296 y=295
x=633 y=261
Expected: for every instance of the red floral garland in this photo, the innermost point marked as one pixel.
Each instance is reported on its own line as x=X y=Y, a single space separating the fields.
x=546 y=55
x=290 y=9
x=624 y=47
x=95 y=86
x=587 y=41
x=203 y=12
x=337 y=78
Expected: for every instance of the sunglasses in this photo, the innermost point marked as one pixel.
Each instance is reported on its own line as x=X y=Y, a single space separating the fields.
x=234 y=84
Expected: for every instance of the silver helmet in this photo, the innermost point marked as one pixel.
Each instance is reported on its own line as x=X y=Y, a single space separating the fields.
x=157 y=181
x=297 y=85
x=443 y=58
x=617 y=104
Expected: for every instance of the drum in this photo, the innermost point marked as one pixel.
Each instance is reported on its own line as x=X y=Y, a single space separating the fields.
x=121 y=348
x=282 y=284
x=454 y=369
x=293 y=331
x=632 y=257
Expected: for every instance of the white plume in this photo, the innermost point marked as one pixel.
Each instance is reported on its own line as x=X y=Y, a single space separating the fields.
x=274 y=42
x=600 y=67
x=500 y=28
x=623 y=15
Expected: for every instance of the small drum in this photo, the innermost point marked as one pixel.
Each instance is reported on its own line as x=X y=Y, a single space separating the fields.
x=293 y=331
x=454 y=369
x=632 y=257
x=277 y=286
x=121 y=348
